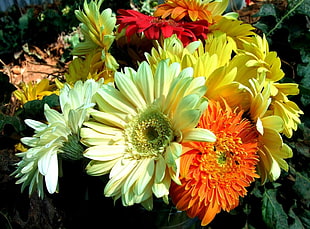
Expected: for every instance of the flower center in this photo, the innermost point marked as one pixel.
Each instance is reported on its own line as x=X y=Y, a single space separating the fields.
x=223 y=156
x=148 y=134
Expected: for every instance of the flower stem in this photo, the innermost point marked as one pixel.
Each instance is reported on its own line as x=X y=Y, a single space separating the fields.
x=284 y=17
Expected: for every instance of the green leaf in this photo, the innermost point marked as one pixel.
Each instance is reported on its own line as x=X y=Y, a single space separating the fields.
x=14 y=121
x=35 y=109
x=297 y=224
x=23 y=22
x=262 y=26
x=305 y=217
x=267 y=10
x=303 y=70
x=272 y=211
x=302 y=187
x=304 y=7
x=52 y=100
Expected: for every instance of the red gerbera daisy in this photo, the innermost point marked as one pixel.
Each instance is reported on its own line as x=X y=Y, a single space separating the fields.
x=214 y=175
x=155 y=28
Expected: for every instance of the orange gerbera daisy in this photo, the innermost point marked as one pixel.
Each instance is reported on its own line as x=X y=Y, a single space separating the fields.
x=191 y=10
x=214 y=175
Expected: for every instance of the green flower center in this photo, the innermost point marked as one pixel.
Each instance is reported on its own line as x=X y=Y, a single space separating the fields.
x=148 y=134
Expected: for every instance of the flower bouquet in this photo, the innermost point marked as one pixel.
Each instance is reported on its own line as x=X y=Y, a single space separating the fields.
x=184 y=105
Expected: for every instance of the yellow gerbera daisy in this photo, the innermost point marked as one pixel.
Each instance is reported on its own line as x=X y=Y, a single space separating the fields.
x=135 y=135
x=272 y=150
x=286 y=109
x=255 y=58
x=192 y=10
x=212 y=60
x=90 y=67
x=236 y=31
x=172 y=49
x=54 y=140
x=33 y=91
x=98 y=31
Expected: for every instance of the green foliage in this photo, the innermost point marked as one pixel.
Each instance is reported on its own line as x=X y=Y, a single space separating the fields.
x=37 y=26
x=287 y=31
x=303 y=69
x=35 y=109
x=272 y=211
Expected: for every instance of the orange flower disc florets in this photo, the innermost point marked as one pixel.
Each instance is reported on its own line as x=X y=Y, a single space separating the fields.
x=214 y=175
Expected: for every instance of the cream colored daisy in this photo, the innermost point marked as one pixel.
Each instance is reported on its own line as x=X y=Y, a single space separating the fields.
x=55 y=140
x=136 y=132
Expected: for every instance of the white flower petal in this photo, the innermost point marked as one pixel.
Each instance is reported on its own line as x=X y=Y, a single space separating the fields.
x=109 y=97
x=91 y=137
x=173 y=152
x=198 y=135
x=259 y=126
x=97 y=168
x=30 y=141
x=197 y=86
x=160 y=168
x=38 y=126
x=146 y=176
x=187 y=119
x=28 y=167
x=133 y=177
x=108 y=118
x=52 y=115
x=122 y=168
x=118 y=175
x=164 y=76
x=51 y=178
x=161 y=189
x=45 y=160
x=104 y=129
x=129 y=89
x=105 y=152
x=145 y=81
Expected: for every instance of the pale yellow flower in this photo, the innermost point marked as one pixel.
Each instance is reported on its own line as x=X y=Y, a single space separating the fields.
x=49 y=143
x=136 y=132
